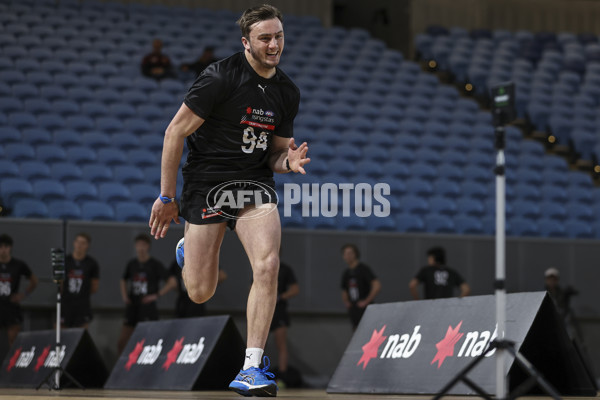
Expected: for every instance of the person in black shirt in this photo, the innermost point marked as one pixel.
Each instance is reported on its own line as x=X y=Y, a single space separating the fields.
x=82 y=280
x=438 y=279
x=184 y=307
x=11 y=271
x=156 y=64
x=237 y=119
x=287 y=287
x=139 y=288
x=360 y=286
x=206 y=58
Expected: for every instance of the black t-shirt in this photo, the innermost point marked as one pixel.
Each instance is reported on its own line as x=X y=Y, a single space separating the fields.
x=10 y=278
x=143 y=277
x=357 y=282
x=439 y=281
x=242 y=112
x=285 y=279
x=78 y=282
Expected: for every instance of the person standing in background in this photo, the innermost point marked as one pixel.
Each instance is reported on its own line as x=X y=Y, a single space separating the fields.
x=11 y=271
x=438 y=279
x=82 y=279
x=360 y=286
x=139 y=288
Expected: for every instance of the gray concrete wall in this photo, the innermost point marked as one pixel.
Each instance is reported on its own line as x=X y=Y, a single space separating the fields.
x=320 y=328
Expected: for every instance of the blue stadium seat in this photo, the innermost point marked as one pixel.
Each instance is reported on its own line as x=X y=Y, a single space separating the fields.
x=97 y=211
x=93 y=82
x=80 y=123
x=94 y=109
x=396 y=169
x=149 y=112
x=369 y=168
x=109 y=124
x=343 y=167
x=553 y=210
x=412 y=204
x=96 y=173
x=551 y=228
x=527 y=192
x=578 y=229
x=51 y=121
x=111 y=192
x=67 y=137
x=95 y=140
x=442 y=205
x=10 y=134
x=450 y=172
x=144 y=193
x=129 y=211
x=65 y=171
x=128 y=174
x=526 y=208
x=37 y=105
x=49 y=153
x=577 y=210
x=422 y=168
x=469 y=206
x=9 y=169
x=137 y=126
x=66 y=80
x=48 y=189
x=30 y=208
x=468 y=225
x=65 y=107
x=64 y=209
x=554 y=193
x=81 y=155
x=154 y=142
x=437 y=223
x=475 y=190
x=111 y=156
x=22 y=120
x=419 y=187
x=19 y=152
x=80 y=190
x=351 y=223
x=10 y=104
x=381 y=224
x=409 y=223
x=519 y=226
x=446 y=188
x=31 y=170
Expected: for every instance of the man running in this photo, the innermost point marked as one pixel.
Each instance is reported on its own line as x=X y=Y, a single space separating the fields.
x=237 y=119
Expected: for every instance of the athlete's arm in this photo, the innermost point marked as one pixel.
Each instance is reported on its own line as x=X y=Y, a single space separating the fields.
x=95 y=285
x=183 y=124
x=464 y=289
x=414 y=288
x=375 y=289
x=283 y=149
x=292 y=291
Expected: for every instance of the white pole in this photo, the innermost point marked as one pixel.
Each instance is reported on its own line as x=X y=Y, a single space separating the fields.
x=57 y=376
x=501 y=386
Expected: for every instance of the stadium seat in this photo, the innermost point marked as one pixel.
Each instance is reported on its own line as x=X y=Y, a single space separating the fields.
x=437 y=223
x=80 y=123
x=128 y=174
x=63 y=107
x=9 y=169
x=51 y=121
x=97 y=211
x=19 y=152
x=551 y=228
x=67 y=137
x=49 y=153
x=10 y=134
x=111 y=156
x=80 y=190
x=129 y=211
x=578 y=229
x=409 y=223
x=65 y=171
x=387 y=224
x=64 y=209
x=519 y=226
x=474 y=189
x=412 y=204
x=351 y=223
x=95 y=140
x=112 y=192
x=468 y=225
x=96 y=173
x=48 y=189
x=30 y=208
x=81 y=155
x=144 y=193
x=152 y=174
x=442 y=205
x=33 y=169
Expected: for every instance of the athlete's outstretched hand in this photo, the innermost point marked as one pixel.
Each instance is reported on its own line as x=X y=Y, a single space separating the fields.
x=161 y=216
x=297 y=156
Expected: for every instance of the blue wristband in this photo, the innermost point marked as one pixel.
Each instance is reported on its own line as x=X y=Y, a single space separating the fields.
x=165 y=199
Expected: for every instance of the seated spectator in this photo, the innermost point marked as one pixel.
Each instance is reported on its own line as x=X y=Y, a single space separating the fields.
x=206 y=58
x=156 y=64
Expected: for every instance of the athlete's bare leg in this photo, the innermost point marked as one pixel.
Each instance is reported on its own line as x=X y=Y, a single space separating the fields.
x=261 y=238
x=201 y=270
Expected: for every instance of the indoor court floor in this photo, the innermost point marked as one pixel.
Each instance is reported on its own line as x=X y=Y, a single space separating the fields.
x=290 y=394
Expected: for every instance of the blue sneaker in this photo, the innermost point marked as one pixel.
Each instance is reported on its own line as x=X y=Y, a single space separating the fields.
x=179 y=253
x=255 y=381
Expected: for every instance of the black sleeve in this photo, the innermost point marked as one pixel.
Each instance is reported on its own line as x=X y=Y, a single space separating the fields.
x=94 y=269
x=369 y=274
x=458 y=279
x=24 y=270
x=421 y=275
x=209 y=89
x=286 y=127
x=127 y=273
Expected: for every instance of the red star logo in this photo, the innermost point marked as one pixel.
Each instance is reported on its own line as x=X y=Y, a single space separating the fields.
x=371 y=348
x=42 y=358
x=249 y=110
x=445 y=346
x=173 y=353
x=133 y=356
x=13 y=359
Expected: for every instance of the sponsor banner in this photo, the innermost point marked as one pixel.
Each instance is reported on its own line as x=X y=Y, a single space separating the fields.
x=418 y=347
x=34 y=355
x=181 y=354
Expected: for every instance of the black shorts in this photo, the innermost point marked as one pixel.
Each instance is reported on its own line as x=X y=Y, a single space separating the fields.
x=186 y=308
x=138 y=312
x=215 y=202
x=280 y=318
x=75 y=315
x=10 y=314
